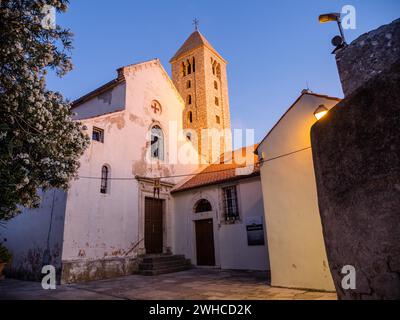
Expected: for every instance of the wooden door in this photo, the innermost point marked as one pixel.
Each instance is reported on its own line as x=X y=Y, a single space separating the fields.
x=205 y=242
x=153 y=225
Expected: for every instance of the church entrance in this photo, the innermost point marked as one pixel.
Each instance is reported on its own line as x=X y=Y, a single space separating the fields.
x=205 y=242
x=153 y=225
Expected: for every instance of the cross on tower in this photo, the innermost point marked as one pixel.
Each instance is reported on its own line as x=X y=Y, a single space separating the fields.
x=196 y=24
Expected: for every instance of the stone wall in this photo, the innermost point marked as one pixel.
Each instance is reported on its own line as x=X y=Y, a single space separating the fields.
x=369 y=55
x=356 y=151
x=81 y=271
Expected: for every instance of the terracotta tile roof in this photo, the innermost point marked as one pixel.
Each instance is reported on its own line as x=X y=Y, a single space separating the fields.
x=195 y=40
x=218 y=172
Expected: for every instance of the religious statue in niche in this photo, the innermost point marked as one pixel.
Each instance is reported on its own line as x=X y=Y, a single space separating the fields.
x=157 y=143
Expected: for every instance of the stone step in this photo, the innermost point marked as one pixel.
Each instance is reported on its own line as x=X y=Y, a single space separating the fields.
x=164 y=258
x=156 y=272
x=152 y=265
x=163 y=264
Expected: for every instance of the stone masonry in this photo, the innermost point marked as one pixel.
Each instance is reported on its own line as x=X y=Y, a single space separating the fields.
x=206 y=86
x=369 y=55
x=356 y=151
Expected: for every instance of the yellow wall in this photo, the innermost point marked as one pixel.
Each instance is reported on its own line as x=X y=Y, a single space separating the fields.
x=296 y=246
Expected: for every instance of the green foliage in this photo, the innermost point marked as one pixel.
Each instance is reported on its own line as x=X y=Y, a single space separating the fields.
x=40 y=144
x=5 y=255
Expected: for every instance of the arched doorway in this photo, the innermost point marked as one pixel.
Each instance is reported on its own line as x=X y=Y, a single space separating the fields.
x=205 y=250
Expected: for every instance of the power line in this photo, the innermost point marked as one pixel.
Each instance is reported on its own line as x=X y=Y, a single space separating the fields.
x=194 y=174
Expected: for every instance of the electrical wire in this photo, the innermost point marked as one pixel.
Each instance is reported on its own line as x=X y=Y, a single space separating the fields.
x=199 y=173
x=203 y=172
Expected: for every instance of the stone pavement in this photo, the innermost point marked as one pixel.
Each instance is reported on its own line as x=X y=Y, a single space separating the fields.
x=194 y=284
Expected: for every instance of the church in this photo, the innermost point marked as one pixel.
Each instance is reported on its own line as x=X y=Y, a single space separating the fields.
x=159 y=189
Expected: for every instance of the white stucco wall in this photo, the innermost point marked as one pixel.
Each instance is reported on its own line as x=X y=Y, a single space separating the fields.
x=230 y=240
x=101 y=226
x=296 y=246
x=32 y=232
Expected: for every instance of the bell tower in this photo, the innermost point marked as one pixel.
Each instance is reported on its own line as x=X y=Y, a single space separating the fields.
x=199 y=74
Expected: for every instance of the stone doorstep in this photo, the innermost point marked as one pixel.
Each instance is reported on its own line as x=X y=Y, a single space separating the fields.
x=156 y=272
x=161 y=258
x=149 y=266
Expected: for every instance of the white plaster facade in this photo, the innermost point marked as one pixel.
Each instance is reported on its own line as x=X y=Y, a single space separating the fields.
x=109 y=227
x=104 y=226
x=230 y=239
x=295 y=241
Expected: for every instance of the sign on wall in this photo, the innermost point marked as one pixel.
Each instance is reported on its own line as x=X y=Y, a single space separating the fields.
x=255 y=231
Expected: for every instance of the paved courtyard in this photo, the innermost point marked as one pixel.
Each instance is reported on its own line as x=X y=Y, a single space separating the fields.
x=195 y=284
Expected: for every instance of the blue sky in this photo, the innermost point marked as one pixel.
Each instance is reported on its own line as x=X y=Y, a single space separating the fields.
x=273 y=47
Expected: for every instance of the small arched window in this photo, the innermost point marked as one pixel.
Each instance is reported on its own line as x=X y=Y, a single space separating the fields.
x=189 y=67
x=203 y=205
x=105 y=176
x=216 y=85
x=216 y=101
x=157 y=143
x=189 y=99
x=183 y=69
x=218 y=70
x=193 y=65
x=190 y=116
x=188 y=84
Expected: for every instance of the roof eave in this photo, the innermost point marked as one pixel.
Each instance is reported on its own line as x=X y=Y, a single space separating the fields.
x=292 y=105
x=180 y=56
x=219 y=182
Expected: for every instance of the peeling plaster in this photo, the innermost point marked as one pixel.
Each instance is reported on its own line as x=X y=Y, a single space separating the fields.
x=119 y=121
x=137 y=120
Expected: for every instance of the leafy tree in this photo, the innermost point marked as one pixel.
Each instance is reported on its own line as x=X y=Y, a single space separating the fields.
x=40 y=144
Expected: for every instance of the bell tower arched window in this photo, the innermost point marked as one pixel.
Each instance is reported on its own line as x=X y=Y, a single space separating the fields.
x=183 y=69
x=190 y=116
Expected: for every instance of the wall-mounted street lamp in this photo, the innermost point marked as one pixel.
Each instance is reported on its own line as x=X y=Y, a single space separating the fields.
x=320 y=112
x=338 y=41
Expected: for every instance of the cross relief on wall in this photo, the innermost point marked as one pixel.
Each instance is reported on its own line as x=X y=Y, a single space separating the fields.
x=156 y=107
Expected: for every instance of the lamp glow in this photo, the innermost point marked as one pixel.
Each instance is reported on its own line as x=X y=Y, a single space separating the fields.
x=320 y=112
x=324 y=18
